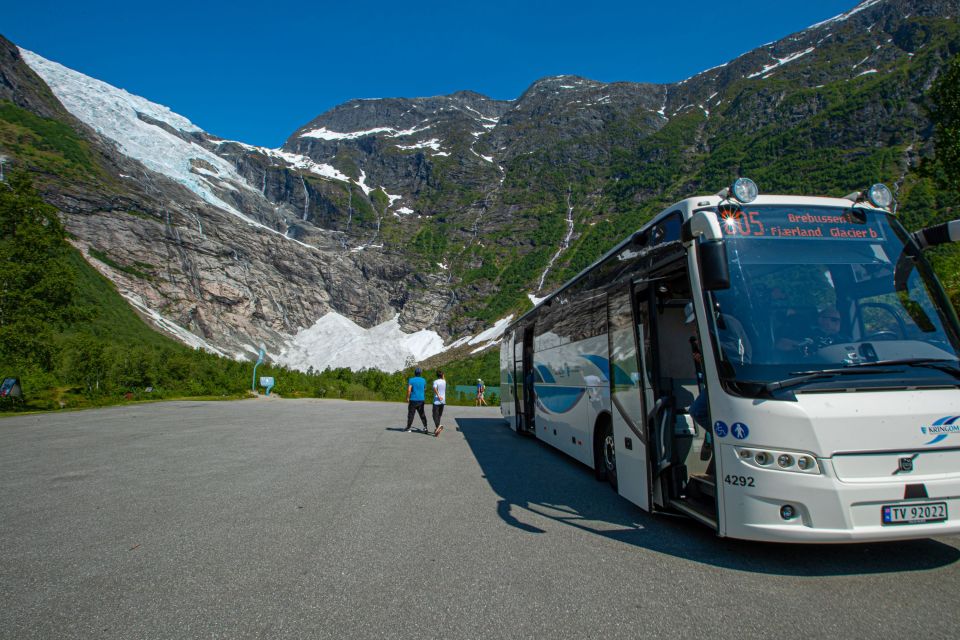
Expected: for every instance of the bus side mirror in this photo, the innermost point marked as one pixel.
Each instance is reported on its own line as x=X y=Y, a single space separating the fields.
x=714 y=268
x=704 y=228
x=938 y=234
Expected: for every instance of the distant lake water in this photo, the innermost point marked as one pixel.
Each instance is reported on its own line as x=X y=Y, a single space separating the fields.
x=465 y=392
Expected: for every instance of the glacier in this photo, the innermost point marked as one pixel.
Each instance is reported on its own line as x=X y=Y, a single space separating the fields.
x=335 y=341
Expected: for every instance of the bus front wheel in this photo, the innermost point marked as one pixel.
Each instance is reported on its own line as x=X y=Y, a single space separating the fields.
x=606 y=454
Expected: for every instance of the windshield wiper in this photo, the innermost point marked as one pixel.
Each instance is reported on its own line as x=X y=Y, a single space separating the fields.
x=939 y=364
x=860 y=368
x=806 y=376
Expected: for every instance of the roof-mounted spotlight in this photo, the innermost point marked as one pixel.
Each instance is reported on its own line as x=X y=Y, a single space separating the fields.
x=879 y=195
x=743 y=190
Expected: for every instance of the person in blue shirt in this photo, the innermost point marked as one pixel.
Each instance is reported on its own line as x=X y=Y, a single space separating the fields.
x=416 y=388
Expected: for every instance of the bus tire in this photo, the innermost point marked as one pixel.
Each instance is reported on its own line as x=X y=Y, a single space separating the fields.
x=599 y=471
x=606 y=455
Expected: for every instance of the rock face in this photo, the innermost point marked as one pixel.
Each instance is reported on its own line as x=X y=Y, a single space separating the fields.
x=446 y=211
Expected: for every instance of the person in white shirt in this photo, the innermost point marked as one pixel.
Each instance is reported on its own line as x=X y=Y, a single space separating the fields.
x=439 y=400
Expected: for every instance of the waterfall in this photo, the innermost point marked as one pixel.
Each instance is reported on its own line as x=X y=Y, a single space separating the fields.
x=306 y=197
x=563 y=245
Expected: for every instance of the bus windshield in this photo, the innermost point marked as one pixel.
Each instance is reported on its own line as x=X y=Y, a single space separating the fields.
x=821 y=291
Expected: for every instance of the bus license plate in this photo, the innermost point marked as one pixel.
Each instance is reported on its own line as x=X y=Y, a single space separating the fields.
x=914 y=513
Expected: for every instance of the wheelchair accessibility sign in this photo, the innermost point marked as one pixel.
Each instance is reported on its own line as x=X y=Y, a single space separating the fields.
x=738 y=430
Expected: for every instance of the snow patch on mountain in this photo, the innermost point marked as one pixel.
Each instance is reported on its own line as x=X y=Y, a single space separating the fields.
x=326 y=134
x=334 y=341
x=294 y=160
x=362 y=183
x=779 y=62
x=846 y=16
x=432 y=143
x=492 y=334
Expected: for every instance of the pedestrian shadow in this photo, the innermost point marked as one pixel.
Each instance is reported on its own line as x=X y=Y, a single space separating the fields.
x=416 y=430
x=535 y=481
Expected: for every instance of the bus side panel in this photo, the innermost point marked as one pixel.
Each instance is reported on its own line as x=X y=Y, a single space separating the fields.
x=507 y=402
x=570 y=381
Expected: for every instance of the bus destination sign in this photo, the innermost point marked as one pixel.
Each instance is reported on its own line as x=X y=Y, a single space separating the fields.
x=785 y=222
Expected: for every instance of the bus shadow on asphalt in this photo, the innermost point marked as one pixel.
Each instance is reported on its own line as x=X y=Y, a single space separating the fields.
x=531 y=477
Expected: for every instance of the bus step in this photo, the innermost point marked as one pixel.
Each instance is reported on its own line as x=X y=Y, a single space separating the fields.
x=695 y=511
x=703 y=485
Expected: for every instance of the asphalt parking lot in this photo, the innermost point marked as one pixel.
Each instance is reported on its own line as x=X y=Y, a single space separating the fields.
x=321 y=519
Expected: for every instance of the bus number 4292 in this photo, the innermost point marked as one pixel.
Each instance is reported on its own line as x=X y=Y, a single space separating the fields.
x=739 y=481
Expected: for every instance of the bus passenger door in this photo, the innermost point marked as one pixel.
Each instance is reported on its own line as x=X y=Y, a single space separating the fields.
x=523 y=381
x=529 y=393
x=518 y=382
x=627 y=403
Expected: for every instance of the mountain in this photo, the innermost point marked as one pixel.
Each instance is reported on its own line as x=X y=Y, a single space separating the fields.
x=445 y=213
x=190 y=242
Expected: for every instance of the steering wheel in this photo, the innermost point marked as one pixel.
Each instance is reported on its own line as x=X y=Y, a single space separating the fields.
x=806 y=348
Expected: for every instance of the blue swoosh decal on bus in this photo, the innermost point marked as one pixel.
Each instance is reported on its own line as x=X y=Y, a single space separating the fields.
x=558 y=399
x=620 y=377
x=545 y=375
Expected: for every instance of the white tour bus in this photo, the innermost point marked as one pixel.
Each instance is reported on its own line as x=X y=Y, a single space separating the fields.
x=824 y=348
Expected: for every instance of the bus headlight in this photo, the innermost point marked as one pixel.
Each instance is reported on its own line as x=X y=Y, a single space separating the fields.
x=795 y=461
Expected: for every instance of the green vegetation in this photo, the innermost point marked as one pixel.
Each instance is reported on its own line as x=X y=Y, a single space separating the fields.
x=431 y=242
x=945 y=95
x=788 y=136
x=47 y=145
x=74 y=342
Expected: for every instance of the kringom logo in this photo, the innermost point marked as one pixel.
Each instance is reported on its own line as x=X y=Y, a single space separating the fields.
x=941 y=428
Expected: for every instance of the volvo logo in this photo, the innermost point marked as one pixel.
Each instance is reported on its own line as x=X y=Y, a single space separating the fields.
x=905 y=465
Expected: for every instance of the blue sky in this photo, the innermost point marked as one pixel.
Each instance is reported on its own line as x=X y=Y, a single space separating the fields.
x=256 y=71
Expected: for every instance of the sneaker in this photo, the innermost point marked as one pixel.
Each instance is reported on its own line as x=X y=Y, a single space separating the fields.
x=408 y=430
x=437 y=432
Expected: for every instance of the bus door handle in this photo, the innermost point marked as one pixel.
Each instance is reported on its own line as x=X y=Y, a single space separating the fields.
x=658 y=425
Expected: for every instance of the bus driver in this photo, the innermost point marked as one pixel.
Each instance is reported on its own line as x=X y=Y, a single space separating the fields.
x=825 y=333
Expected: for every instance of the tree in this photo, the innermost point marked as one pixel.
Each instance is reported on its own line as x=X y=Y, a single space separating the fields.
x=37 y=285
x=945 y=95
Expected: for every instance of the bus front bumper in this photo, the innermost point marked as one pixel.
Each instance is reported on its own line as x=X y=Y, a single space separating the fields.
x=827 y=510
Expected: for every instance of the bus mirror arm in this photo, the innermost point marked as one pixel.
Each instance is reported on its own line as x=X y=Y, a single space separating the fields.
x=901 y=282
x=919 y=241
x=703 y=225
x=937 y=234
